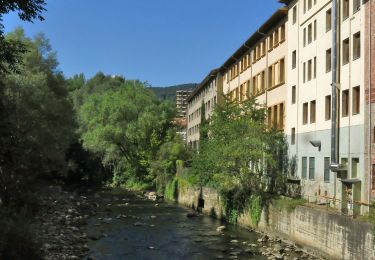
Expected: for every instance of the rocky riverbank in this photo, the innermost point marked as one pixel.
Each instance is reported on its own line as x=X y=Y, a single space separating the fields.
x=71 y=225
x=59 y=225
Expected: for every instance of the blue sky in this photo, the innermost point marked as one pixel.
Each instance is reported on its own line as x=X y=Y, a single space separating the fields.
x=164 y=42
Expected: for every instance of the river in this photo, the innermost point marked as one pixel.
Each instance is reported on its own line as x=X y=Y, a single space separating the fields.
x=128 y=226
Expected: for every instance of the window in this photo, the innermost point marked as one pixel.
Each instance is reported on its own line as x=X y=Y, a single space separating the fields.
x=294 y=59
x=373 y=177
x=312 y=111
x=305 y=112
x=264 y=48
x=328 y=108
x=270 y=42
x=356 y=45
x=328 y=60
x=304 y=167
x=345 y=51
x=309 y=4
x=282 y=71
x=355 y=162
x=276 y=74
x=314 y=67
x=242 y=94
x=275 y=116
x=254 y=86
x=328 y=20
x=293 y=94
x=345 y=9
x=309 y=33
x=281 y=117
x=309 y=70
x=293 y=136
x=304 y=6
x=312 y=168
x=269 y=116
x=304 y=37
x=270 y=77
x=294 y=14
x=345 y=103
x=356 y=6
x=356 y=101
x=304 y=72
x=315 y=30
x=326 y=169
x=247 y=90
x=263 y=81
x=282 y=33
x=276 y=37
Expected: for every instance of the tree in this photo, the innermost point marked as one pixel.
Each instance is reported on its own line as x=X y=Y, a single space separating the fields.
x=240 y=155
x=40 y=122
x=125 y=126
x=163 y=167
x=28 y=10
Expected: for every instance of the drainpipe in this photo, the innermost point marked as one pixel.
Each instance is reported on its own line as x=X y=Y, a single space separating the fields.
x=335 y=87
x=334 y=123
x=369 y=101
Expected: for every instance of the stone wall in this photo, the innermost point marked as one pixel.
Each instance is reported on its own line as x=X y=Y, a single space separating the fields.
x=325 y=233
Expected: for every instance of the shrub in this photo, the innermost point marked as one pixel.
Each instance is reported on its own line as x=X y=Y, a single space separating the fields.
x=255 y=207
x=171 y=190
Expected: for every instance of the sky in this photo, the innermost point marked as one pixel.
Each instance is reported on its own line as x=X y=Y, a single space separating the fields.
x=163 y=42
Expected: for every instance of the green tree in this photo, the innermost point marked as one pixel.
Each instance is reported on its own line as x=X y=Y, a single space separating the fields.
x=28 y=10
x=40 y=119
x=125 y=126
x=163 y=167
x=240 y=155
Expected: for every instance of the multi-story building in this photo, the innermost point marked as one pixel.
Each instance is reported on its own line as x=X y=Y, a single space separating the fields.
x=181 y=102
x=257 y=68
x=310 y=101
x=207 y=94
x=293 y=78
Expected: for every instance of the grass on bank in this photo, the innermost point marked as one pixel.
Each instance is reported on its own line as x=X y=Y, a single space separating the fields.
x=288 y=204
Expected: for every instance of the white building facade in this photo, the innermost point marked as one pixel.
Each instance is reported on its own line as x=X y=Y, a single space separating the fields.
x=310 y=107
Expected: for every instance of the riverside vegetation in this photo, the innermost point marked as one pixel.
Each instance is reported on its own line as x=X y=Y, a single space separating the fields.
x=115 y=131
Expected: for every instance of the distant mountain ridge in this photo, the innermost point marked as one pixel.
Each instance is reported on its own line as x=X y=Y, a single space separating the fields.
x=170 y=92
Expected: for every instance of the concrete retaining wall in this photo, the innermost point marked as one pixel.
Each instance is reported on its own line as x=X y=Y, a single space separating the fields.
x=325 y=233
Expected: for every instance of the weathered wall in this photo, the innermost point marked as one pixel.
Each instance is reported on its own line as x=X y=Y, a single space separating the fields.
x=326 y=233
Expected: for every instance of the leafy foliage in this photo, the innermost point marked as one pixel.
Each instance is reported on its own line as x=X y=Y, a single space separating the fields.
x=39 y=123
x=125 y=126
x=163 y=167
x=171 y=190
x=255 y=207
x=11 y=50
x=241 y=155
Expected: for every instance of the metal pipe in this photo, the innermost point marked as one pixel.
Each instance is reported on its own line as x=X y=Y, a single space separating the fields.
x=334 y=161
x=369 y=102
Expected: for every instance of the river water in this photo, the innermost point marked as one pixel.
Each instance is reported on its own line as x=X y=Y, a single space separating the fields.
x=128 y=226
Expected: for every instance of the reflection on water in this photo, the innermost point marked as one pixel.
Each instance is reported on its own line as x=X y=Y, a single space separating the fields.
x=130 y=227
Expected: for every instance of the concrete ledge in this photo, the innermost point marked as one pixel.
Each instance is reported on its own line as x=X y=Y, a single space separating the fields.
x=322 y=232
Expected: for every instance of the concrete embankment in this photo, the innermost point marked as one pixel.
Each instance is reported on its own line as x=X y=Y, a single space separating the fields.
x=321 y=232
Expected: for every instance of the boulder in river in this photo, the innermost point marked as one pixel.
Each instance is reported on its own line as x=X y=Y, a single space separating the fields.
x=139 y=224
x=221 y=228
x=192 y=214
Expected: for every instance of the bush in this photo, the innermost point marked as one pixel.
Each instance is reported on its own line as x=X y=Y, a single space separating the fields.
x=255 y=207
x=233 y=215
x=171 y=190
